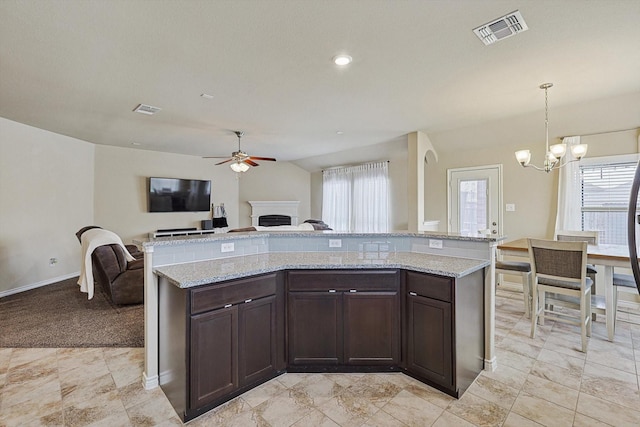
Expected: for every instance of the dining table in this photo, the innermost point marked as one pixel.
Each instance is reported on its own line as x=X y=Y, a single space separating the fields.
x=608 y=256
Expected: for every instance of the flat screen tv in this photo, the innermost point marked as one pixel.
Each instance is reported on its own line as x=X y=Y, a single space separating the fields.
x=179 y=195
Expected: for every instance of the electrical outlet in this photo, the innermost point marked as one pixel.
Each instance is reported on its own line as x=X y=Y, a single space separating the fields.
x=436 y=244
x=335 y=243
x=510 y=207
x=53 y=261
x=227 y=247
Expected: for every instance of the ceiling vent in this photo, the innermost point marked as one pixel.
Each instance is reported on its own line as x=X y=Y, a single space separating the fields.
x=146 y=109
x=501 y=28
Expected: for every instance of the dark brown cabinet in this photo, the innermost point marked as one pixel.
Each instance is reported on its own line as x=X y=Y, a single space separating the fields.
x=235 y=340
x=372 y=328
x=257 y=340
x=214 y=359
x=444 y=329
x=429 y=339
x=343 y=318
x=315 y=328
x=217 y=341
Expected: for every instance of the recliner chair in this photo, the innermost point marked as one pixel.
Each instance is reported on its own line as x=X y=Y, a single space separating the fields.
x=121 y=280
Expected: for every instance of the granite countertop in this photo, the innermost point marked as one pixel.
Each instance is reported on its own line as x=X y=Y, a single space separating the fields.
x=200 y=238
x=203 y=272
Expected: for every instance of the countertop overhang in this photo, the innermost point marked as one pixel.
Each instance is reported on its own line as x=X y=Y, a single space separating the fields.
x=192 y=274
x=211 y=237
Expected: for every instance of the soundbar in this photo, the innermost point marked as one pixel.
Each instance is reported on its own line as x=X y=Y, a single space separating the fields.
x=172 y=230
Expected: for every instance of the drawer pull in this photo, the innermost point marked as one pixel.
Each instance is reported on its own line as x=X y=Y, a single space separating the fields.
x=332 y=290
x=248 y=300
x=227 y=305
x=413 y=294
x=353 y=290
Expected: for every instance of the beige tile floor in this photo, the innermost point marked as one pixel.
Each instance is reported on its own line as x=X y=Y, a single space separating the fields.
x=542 y=381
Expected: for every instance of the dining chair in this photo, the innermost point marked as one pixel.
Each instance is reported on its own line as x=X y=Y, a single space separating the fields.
x=621 y=281
x=591 y=237
x=559 y=268
x=522 y=269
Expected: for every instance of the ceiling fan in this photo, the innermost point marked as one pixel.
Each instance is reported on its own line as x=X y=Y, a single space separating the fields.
x=241 y=160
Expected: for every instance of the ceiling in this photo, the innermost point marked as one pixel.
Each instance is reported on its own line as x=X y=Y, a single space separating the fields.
x=79 y=68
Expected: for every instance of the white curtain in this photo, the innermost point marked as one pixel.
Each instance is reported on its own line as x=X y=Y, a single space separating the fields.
x=371 y=198
x=356 y=198
x=569 y=215
x=336 y=198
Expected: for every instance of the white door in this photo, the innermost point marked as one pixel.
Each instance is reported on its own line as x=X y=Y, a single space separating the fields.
x=475 y=200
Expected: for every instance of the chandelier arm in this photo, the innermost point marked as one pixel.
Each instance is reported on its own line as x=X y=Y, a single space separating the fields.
x=531 y=165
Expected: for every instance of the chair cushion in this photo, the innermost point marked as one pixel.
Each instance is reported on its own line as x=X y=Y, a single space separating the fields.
x=624 y=280
x=513 y=266
x=563 y=283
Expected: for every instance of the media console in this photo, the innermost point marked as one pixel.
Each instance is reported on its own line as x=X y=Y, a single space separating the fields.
x=179 y=232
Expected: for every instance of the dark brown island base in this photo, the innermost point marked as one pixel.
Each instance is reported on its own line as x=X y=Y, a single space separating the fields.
x=220 y=340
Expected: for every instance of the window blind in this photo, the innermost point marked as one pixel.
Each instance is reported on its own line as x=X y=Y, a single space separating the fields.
x=605 y=198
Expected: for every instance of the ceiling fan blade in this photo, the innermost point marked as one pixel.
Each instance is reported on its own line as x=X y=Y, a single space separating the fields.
x=223 y=162
x=270 y=159
x=249 y=162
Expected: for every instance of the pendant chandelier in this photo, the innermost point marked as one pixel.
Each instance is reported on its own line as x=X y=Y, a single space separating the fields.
x=555 y=153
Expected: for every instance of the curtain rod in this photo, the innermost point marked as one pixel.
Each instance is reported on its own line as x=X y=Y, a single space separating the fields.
x=352 y=166
x=600 y=133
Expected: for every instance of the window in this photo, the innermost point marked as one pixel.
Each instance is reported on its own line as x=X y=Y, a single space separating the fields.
x=605 y=188
x=356 y=198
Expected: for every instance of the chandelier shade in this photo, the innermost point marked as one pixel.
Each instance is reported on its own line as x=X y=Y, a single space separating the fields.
x=554 y=153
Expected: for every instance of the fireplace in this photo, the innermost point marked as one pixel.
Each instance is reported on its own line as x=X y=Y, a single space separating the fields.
x=276 y=212
x=272 y=220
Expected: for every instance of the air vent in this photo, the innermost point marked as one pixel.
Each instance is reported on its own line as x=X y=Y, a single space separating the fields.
x=501 y=28
x=146 y=109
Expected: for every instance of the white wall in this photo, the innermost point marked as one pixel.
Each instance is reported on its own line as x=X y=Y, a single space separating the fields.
x=274 y=181
x=46 y=195
x=394 y=151
x=534 y=193
x=121 y=189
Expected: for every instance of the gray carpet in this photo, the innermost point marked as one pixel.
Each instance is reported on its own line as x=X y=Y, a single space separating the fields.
x=59 y=315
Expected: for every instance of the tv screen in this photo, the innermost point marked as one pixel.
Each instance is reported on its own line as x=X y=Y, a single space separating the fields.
x=179 y=195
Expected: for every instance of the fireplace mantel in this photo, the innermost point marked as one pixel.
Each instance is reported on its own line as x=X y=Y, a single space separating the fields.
x=277 y=207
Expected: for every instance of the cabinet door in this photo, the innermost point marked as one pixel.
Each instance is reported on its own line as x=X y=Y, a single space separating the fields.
x=257 y=339
x=214 y=355
x=315 y=328
x=371 y=328
x=429 y=339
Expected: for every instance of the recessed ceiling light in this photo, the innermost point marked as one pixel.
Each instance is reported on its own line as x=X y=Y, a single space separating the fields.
x=342 y=59
x=339 y=132
x=206 y=96
x=136 y=143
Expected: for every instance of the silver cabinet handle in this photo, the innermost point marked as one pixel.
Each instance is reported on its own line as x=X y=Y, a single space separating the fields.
x=353 y=290
x=248 y=300
x=413 y=294
x=332 y=290
x=227 y=305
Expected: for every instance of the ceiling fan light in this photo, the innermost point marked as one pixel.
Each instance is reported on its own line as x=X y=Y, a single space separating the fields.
x=239 y=167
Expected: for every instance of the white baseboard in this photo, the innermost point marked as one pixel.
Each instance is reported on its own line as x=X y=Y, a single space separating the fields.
x=37 y=285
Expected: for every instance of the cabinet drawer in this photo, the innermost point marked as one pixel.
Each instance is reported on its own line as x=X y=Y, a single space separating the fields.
x=215 y=296
x=430 y=286
x=342 y=280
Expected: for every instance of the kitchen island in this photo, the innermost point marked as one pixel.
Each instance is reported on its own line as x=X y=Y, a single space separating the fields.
x=187 y=264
